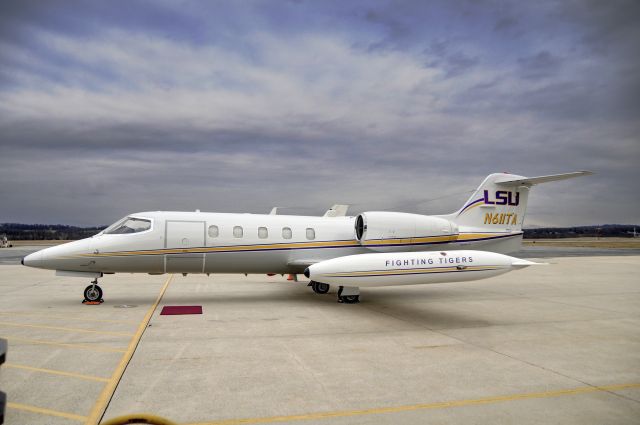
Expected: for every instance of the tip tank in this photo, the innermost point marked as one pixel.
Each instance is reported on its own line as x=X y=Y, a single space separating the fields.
x=413 y=268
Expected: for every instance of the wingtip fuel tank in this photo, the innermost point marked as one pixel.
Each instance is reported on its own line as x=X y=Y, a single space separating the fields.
x=413 y=268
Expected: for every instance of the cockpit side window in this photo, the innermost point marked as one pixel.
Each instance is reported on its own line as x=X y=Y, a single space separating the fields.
x=129 y=225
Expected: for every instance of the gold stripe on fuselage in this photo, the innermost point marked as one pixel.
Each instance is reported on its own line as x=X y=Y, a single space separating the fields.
x=466 y=237
x=411 y=241
x=293 y=245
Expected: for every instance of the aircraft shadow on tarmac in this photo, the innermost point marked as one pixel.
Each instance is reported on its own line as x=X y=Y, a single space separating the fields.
x=418 y=307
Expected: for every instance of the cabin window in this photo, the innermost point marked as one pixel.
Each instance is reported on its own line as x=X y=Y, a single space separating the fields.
x=311 y=234
x=263 y=233
x=237 y=232
x=286 y=232
x=129 y=225
x=214 y=231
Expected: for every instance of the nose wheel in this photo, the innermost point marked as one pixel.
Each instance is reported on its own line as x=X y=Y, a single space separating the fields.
x=93 y=294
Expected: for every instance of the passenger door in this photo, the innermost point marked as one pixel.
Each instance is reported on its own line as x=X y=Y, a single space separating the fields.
x=184 y=235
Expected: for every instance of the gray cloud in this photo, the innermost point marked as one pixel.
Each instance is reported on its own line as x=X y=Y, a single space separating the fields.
x=245 y=106
x=505 y=23
x=540 y=65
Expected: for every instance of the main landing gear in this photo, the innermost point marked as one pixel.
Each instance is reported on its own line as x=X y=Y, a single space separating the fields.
x=346 y=294
x=93 y=293
x=349 y=294
x=319 y=287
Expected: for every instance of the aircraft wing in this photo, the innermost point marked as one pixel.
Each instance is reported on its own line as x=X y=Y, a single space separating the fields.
x=302 y=263
x=530 y=181
x=337 y=211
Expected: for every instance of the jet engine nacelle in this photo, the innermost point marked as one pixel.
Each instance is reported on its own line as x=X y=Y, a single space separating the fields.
x=394 y=231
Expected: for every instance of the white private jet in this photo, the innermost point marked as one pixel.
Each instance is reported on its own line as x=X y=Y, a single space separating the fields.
x=371 y=249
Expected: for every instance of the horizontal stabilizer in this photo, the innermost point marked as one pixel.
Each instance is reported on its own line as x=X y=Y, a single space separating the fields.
x=530 y=181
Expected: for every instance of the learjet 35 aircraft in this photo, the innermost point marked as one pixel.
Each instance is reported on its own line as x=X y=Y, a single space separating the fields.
x=369 y=250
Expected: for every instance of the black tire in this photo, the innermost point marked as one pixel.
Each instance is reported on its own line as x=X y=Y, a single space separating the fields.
x=93 y=293
x=350 y=299
x=320 y=288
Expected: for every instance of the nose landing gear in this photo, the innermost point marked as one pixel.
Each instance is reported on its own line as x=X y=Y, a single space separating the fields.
x=93 y=293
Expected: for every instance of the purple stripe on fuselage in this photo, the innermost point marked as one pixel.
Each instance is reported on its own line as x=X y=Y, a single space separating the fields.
x=408 y=274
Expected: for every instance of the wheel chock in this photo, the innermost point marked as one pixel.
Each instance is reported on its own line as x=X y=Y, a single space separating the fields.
x=86 y=302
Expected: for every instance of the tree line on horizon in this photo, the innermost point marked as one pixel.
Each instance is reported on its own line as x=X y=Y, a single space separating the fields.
x=44 y=232
x=21 y=232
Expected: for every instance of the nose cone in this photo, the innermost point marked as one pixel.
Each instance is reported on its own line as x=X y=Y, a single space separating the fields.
x=67 y=256
x=33 y=260
x=306 y=272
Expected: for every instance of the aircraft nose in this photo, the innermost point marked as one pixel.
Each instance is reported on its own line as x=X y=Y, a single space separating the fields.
x=22 y=261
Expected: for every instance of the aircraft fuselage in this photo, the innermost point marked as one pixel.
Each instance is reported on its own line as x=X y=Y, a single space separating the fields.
x=198 y=242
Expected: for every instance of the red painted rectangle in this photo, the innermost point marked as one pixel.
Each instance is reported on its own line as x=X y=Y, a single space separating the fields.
x=169 y=310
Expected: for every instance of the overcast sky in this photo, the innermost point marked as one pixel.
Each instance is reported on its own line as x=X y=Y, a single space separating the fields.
x=108 y=108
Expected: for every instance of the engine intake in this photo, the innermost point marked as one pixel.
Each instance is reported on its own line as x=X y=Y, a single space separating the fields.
x=393 y=231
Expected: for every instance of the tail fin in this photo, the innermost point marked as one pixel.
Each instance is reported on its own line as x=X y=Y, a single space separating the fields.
x=500 y=203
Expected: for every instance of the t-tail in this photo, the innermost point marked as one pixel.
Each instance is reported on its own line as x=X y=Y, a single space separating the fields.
x=499 y=205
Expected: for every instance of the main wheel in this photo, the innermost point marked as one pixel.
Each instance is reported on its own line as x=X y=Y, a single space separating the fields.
x=320 y=288
x=349 y=299
x=93 y=293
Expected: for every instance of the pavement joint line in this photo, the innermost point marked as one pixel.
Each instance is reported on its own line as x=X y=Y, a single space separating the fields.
x=59 y=328
x=599 y=309
x=56 y=372
x=444 y=332
x=71 y=318
x=93 y=347
x=101 y=404
x=421 y=406
x=43 y=411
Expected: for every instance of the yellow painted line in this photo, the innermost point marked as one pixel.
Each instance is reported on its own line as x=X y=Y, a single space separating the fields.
x=56 y=372
x=92 y=347
x=59 y=328
x=42 y=411
x=105 y=397
x=72 y=318
x=422 y=406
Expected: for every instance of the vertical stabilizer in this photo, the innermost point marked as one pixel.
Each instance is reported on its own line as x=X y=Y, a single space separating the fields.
x=500 y=203
x=493 y=207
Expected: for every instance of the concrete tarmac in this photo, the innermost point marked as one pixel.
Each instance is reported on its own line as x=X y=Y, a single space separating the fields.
x=555 y=344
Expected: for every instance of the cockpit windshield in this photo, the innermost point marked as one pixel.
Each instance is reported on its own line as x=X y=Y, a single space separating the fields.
x=128 y=225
